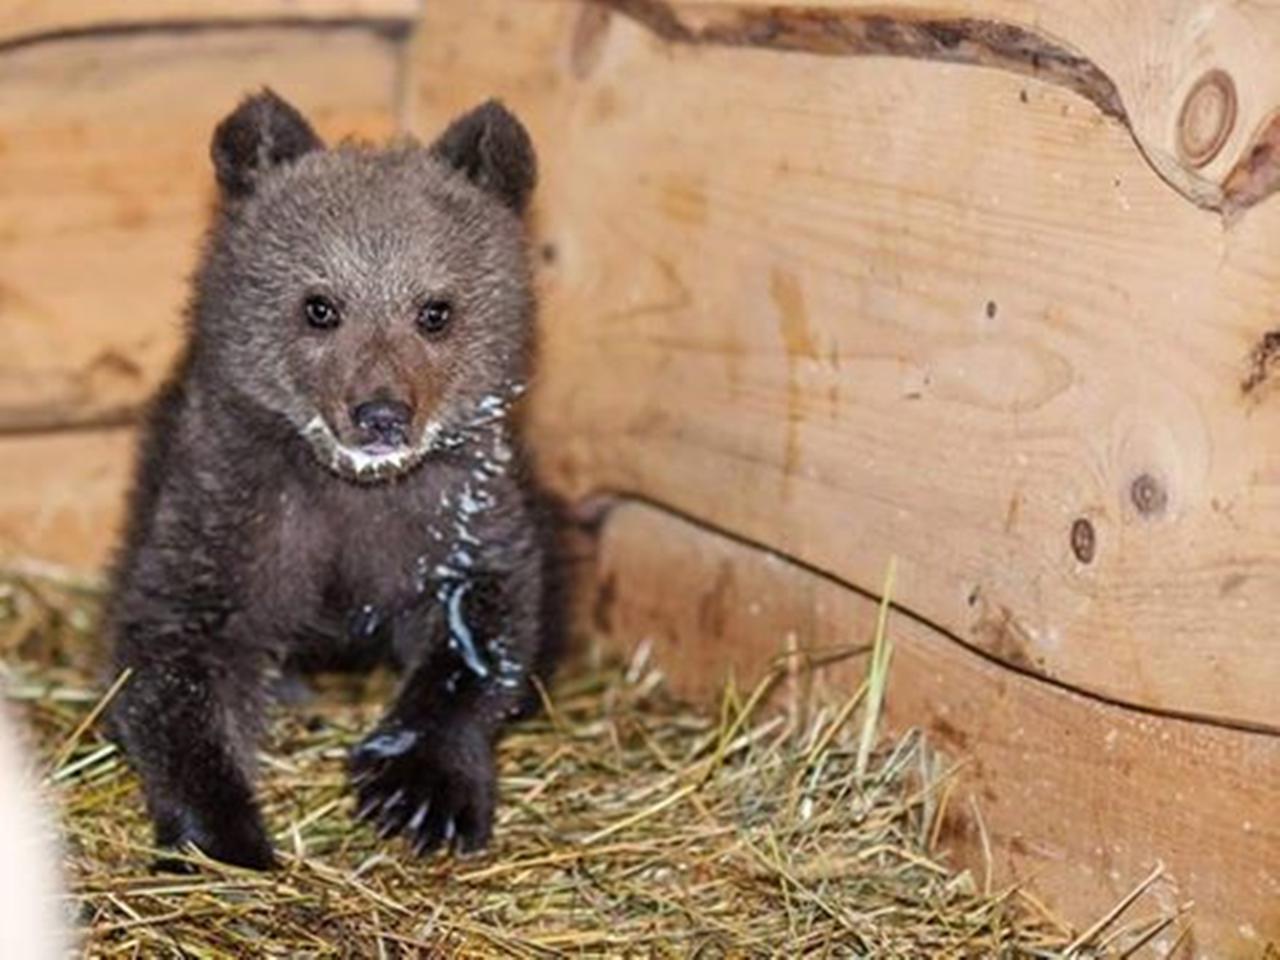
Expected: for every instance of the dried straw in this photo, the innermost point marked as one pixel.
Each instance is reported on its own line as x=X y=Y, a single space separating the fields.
x=629 y=826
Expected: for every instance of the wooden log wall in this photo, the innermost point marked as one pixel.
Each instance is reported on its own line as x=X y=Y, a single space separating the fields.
x=988 y=285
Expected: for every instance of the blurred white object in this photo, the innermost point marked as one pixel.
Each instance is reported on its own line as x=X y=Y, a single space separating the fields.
x=32 y=912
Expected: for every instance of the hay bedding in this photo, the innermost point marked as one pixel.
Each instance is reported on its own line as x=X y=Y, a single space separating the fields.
x=629 y=826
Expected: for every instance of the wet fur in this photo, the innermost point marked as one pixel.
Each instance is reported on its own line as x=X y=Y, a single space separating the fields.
x=249 y=553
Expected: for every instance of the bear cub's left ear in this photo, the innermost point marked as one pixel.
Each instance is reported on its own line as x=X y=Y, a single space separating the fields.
x=492 y=148
x=263 y=133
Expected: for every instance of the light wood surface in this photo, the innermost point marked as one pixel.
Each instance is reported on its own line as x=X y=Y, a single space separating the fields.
x=1080 y=799
x=61 y=496
x=849 y=306
x=105 y=188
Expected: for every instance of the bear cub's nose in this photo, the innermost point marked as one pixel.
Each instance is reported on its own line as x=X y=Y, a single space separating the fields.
x=383 y=421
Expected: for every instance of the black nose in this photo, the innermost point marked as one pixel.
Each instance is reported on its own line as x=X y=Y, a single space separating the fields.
x=384 y=420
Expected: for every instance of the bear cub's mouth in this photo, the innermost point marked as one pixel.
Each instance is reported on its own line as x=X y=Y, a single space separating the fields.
x=371 y=462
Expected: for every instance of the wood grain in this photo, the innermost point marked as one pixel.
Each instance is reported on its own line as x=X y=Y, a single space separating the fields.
x=1192 y=79
x=848 y=307
x=1080 y=799
x=105 y=187
x=24 y=21
x=61 y=496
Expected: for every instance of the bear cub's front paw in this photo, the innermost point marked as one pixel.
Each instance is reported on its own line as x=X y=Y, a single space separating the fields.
x=229 y=832
x=436 y=787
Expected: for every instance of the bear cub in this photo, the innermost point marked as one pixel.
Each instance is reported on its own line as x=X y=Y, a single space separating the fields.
x=332 y=478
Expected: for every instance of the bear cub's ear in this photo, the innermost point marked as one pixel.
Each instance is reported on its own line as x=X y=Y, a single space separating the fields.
x=263 y=133
x=493 y=149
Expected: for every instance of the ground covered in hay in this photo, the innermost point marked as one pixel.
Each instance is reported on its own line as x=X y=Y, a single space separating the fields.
x=629 y=826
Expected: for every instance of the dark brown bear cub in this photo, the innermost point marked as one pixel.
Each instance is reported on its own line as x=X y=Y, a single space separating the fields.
x=331 y=477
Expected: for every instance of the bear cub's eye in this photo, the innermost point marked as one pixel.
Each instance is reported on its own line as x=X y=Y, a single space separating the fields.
x=321 y=313
x=434 y=316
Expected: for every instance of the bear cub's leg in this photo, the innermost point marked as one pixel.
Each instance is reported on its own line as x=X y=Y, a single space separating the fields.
x=190 y=729
x=427 y=770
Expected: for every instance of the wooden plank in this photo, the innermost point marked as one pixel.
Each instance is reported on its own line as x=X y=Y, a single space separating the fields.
x=1192 y=79
x=61 y=496
x=105 y=187
x=1080 y=798
x=29 y=20
x=526 y=54
x=848 y=307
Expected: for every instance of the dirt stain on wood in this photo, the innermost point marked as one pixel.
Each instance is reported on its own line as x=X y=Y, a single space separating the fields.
x=131 y=213
x=798 y=339
x=605 y=105
x=589 y=35
x=716 y=604
x=1011 y=515
x=1001 y=634
x=788 y=296
x=949 y=734
x=735 y=349
x=1231 y=583
x=684 y=200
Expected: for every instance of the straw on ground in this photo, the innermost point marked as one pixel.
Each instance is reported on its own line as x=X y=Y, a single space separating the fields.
x=629 y=826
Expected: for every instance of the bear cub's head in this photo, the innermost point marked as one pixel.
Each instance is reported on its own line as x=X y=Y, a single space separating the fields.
x=377 y=300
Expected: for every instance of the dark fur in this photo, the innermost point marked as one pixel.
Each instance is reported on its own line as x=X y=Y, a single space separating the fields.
x=252 y=548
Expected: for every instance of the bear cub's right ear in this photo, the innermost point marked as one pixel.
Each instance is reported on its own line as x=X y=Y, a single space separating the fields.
x=263 y=133
x=493 y=150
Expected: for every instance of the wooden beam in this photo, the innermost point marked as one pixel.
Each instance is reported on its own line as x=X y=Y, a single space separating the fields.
x=1080 y=799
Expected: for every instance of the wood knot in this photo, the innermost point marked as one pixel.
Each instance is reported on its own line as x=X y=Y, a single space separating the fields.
x=1208 y=116
x=1148 y=495
x=1261 y=359
x=1084 y=540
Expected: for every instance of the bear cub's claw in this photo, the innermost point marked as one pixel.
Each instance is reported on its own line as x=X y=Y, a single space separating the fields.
x=436 y=788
